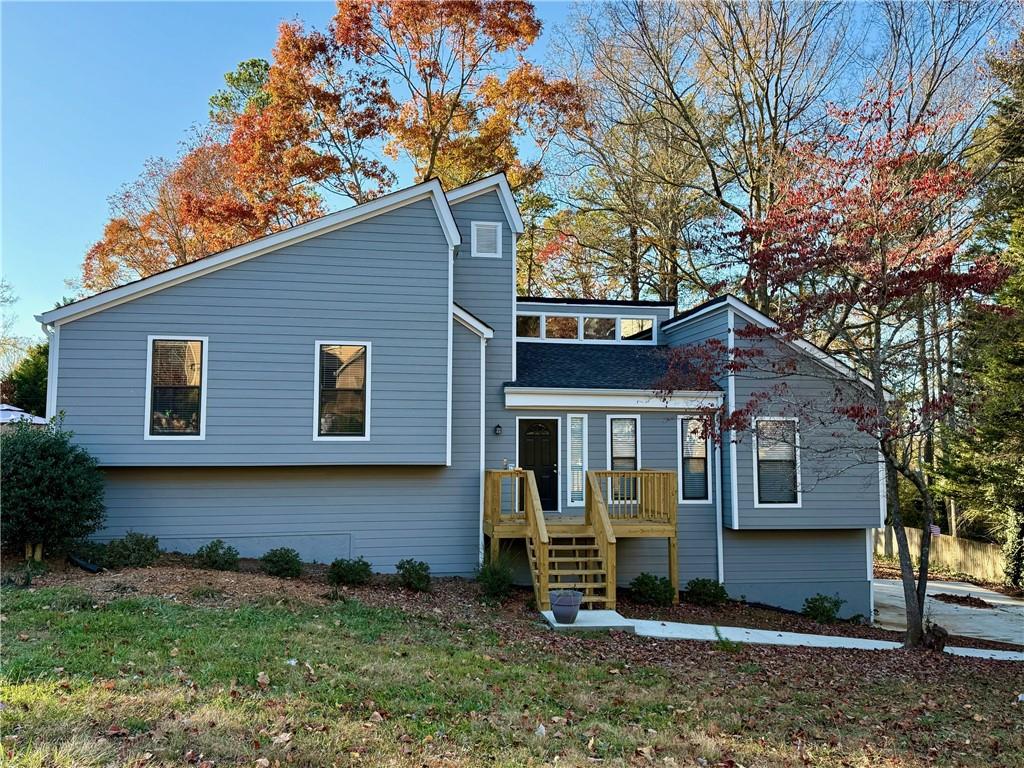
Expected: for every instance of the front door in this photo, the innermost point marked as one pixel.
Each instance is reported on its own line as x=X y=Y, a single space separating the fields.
x=538 y=450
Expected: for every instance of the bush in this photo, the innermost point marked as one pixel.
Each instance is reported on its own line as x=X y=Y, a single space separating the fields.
x=824 y=609
x=414 y=575
x=283 y=561
x=135 y=550
x=351 y=572
x=652 y=590
x=218 y=556
x=495 y=578
x=52 y=490
x=705 y=592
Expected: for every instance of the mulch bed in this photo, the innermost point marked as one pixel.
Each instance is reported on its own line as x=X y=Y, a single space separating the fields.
x=453 y=601
x=969 y=600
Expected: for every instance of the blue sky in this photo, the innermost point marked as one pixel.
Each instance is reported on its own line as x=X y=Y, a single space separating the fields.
x=89 y=91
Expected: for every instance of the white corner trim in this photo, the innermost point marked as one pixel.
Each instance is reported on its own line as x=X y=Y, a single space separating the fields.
x=709 y=497
x=52 y=363
x=731 y=385
x=451 y=352
x=515 y=296
x=203 y=387
x=719 y=523
x=476 y=326
x=428 y=190
x=796 y=454
x=568 y=454
x=317 y=437
x=483 y=438
x=499 y=183
x=608 y=437
x=473 y=227
x=558 y=453
x=883 y=491
x=608 y=399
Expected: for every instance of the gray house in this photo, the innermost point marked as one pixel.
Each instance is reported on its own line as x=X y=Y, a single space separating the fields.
x=369 y=383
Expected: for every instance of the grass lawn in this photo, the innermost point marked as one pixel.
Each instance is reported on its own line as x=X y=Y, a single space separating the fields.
x=385 y=678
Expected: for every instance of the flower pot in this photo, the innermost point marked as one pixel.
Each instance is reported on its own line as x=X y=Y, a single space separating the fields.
x=565 y=605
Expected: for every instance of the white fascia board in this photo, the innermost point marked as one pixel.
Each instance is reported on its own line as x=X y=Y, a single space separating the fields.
x=608 y=399
x=475 y=325
x=499 y=183
x=428 y=190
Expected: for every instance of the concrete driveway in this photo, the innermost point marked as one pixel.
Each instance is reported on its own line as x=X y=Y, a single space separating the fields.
x=1004 y=622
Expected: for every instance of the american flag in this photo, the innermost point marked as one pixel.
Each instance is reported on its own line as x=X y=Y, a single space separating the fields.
x=934 y=530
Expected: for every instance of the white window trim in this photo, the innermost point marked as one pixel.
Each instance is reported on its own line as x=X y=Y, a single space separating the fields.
x=708 y=499
x=473 y=227
x=205 y=341
x=580 y=317
x=608 y=437
x=558 y=448
x=568 y=453
x=796 y=450
x=317 y=437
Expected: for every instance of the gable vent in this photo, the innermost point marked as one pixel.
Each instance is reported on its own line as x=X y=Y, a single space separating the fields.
x=487 y=239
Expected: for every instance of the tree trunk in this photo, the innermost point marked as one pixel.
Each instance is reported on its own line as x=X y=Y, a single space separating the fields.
x=38 y=555
x=634 y=262
x=28 y=551
x=915 y=616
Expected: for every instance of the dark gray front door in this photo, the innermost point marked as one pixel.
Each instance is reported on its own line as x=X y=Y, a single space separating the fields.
x=538 y=450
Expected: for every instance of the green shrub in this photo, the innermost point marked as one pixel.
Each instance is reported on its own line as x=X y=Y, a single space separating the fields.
x=22 y=575
x=351 y=572
x=282 y=561
x=52 y=490
x=652 y=590
x=414 y=575
x=135 y=550
x=495 y=578
x=824 y=609
x=705 y=592
x=217 y=556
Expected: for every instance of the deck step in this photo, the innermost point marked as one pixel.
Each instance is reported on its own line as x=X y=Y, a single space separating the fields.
x=576 y=572
x=576 y=559
x=576 y=585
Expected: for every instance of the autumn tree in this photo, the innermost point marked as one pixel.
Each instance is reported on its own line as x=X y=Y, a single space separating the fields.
x=460 y=93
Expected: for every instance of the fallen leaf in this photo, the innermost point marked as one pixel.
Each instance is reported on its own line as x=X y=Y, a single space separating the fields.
x=282 y=738
x=263 y=680
x=174 y=651
x=376 y=717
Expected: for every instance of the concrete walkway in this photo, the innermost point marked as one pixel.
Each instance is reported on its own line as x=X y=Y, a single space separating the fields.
x=1004 y=622
x=594 y=621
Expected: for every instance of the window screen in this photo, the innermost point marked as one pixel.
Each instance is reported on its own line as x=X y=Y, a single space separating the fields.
x=637 y=329
x=176 y=396
x=776 y=462
x=342 y=407
x=599 y=328
x=486 y=240
x=577 y=460
x=556 y=327
x=528 y=326
x=694 y=451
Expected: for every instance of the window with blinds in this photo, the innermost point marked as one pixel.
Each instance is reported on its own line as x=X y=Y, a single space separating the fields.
x=777 y=481
x=693 y=469
x=622 y=434
x=176 y=387
x=487 y=239
x=577 y=459
x=342 y=379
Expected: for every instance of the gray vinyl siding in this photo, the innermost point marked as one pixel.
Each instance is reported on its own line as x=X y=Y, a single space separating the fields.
x=784 y=568
x=383 y=280
x=838 y=465
x=485 y=288
x=382 y=513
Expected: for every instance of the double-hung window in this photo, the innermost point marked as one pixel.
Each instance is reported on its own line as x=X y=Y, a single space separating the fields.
x=342 y=390
x=694 y=448
x=577 y=459
x=777 y=462
x=176 y=388
x=624 y=454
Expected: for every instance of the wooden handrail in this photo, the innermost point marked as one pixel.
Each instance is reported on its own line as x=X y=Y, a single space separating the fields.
x=596 y=516
x=645 y=495
x=538 y=532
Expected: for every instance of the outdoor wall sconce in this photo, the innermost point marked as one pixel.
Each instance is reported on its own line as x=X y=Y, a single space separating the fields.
x=497 y=429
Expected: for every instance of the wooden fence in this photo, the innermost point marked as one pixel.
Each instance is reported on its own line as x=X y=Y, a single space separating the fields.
x=980 y=560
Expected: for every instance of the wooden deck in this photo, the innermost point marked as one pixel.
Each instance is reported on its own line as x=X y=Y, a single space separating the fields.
x=578 y=551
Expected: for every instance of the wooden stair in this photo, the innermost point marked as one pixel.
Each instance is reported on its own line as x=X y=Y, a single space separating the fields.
x=574 y=561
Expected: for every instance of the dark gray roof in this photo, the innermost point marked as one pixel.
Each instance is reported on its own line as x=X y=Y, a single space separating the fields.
x=589 y=366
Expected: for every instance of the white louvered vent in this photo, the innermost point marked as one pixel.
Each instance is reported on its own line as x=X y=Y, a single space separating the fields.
x=487 y=239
